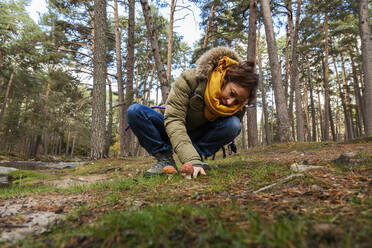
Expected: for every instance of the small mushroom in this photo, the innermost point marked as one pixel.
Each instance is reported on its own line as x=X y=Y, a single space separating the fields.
x=187 y=170
x=170 y=170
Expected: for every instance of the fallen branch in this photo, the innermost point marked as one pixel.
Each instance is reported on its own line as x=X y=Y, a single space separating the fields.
x=288 y=178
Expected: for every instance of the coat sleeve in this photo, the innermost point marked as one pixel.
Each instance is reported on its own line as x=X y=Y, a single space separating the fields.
x=175 y=117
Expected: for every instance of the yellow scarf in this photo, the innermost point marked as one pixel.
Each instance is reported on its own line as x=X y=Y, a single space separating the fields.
x=213 y=107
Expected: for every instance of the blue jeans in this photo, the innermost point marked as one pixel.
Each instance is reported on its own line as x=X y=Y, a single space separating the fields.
x=148 y=126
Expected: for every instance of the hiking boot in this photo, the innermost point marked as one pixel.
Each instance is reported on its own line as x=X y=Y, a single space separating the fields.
x=163 y=159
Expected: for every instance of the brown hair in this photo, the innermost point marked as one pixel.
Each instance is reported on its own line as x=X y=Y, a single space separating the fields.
x=244 y=75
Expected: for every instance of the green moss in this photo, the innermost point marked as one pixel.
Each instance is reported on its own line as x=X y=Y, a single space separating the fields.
x=22 y=190
x=22 y=176
x=197 y=226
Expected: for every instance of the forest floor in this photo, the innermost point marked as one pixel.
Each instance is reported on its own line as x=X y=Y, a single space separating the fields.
x=323 y=199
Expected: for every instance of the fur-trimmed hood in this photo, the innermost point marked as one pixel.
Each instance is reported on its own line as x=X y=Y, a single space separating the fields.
x=209 y=60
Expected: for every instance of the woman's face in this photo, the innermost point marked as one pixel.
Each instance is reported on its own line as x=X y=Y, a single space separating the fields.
x=233 y=94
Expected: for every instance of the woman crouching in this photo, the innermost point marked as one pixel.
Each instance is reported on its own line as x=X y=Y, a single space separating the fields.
x=203 y=112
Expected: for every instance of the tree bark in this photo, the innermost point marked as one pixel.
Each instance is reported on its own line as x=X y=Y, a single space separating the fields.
x=74 y=142
x=45 y=125
x=147 y=62
x=7 y=94
x=244 y=143
x=263 y=89
x=150 y=84
x=119 y=78
x=290 y=36
x=99 y=82
x=365 y=35
x=35 y=148
x=110 y=121
x=164 y=84
x=319 y=108
x=326 y=75
x=251 y=55
x=358 y=97
x=294 y=79
x=210 y=19
x=129 y=93
x=349 y=114
x=170 y=41
x=280 y=101
x=342 y=96
x=268 y=134
x=306 y=108
x=68 y=141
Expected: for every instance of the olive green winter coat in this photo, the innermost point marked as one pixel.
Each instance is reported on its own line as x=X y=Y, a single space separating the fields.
x=185 y=104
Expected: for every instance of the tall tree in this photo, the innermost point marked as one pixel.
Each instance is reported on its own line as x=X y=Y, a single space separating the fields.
x=130 y=73
x=251 y=55
x=119 y=79
x=365 y=35
x=99 y=82
x=164 y=84
x=263 y=89
x=207 y=31
x=170 y=40
x=2 y=110
x=326 y=83
x=109 y=120
x=290 y=35
x=294 y=78
x=280 y=101
x=312 y=105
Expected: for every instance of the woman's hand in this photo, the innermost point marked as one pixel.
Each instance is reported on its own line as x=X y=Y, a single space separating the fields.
x=190 y=170
x=198 y=170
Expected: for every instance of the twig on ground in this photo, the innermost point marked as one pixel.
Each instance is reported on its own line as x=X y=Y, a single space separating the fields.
x=288 y=178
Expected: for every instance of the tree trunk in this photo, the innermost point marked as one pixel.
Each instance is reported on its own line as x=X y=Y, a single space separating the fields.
x=170 y=41
x=35 y=148
x=263 y=92
x=130 y=73
x=244 y=143
x=119 y=78
x=251 y=55
x=45 y=125
x=99 y=82
x=306 y=107
x=263 y=89
x=287 y=66
x=365 y=35
x=110 y=121
x=147 y=62
x=210 y=19
x=74 y=142
x=331 y=122
x=68 y=141
x=349 y=114
x=280 y=101
x=290 y=36
x=164 y=84
x=294 y=79
x=319 y=108
x=326 y=75
x=348 y=128
x=358 y=98
x=7 y=94
x=60 y=144
x=150 y=84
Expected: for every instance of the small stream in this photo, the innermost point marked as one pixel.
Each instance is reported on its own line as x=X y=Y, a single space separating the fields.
x=7 y=166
